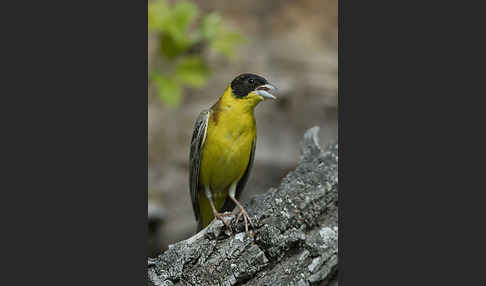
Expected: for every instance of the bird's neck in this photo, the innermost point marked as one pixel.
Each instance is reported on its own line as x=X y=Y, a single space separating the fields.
x=228 y=105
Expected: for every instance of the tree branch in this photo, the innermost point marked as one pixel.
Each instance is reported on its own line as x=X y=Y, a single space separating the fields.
x=295 y=240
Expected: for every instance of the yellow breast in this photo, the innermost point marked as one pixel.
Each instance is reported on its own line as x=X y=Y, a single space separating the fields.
x=227 y=149
x=229 y=138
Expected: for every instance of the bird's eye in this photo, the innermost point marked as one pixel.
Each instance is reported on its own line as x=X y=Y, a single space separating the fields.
x=251 y=81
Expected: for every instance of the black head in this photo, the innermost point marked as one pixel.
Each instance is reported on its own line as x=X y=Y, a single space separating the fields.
x=245 y=83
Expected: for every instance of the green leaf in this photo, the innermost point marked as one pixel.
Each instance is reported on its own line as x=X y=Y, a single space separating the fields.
x=175 y=27
x=158 y=15
x=226 y=42
x=210 y=26
x=170 y=91
x=221 y=39
x=175 y=37
x=192 y=71
x=171 y=47
x=183 y=15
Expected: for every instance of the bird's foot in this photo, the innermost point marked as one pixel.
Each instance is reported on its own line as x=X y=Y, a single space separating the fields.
x=221 y=216
x=246 y=218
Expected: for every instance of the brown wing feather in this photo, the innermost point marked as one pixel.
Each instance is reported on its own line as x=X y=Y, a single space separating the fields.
x=197 y=143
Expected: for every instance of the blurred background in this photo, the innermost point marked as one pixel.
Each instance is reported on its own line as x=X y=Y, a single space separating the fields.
x=195 y=49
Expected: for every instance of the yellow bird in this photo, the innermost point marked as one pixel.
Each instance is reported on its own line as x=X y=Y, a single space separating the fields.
x=223 y=148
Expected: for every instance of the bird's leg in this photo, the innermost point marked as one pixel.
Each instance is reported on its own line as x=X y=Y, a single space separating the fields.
x=243 y=212
x=216 y=214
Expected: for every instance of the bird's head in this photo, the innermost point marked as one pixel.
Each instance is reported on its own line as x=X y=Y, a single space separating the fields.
x=252 y=88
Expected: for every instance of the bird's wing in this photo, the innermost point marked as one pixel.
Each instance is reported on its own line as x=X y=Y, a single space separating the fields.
x=229 y=205
x=197 y=143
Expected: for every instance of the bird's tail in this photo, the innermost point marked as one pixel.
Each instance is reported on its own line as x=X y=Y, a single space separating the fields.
x=199 y=225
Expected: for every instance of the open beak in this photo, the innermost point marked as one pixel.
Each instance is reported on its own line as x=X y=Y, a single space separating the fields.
x=265 y=91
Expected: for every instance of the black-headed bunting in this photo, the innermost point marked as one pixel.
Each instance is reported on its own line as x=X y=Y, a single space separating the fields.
x=223 y=148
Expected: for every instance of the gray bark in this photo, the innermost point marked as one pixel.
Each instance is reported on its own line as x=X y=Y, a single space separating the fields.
x=295 y=240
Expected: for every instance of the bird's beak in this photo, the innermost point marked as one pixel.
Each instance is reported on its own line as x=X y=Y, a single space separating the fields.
x=265 y=91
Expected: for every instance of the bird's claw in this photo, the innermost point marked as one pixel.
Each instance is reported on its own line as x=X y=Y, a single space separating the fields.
x=246 y=218
x=221 y=216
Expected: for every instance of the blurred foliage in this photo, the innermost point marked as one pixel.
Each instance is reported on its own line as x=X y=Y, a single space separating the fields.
x=183 y=36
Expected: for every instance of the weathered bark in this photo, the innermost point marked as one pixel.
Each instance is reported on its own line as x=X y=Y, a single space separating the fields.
x=295 y=240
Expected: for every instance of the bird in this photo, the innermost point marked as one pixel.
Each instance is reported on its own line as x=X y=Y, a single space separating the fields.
x=222 y=150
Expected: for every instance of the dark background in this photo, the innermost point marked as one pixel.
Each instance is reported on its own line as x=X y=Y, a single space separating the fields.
x=74 y=138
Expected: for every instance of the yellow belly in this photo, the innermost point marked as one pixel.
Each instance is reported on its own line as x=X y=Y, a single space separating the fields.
x=226 y=154
x=225 y=157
